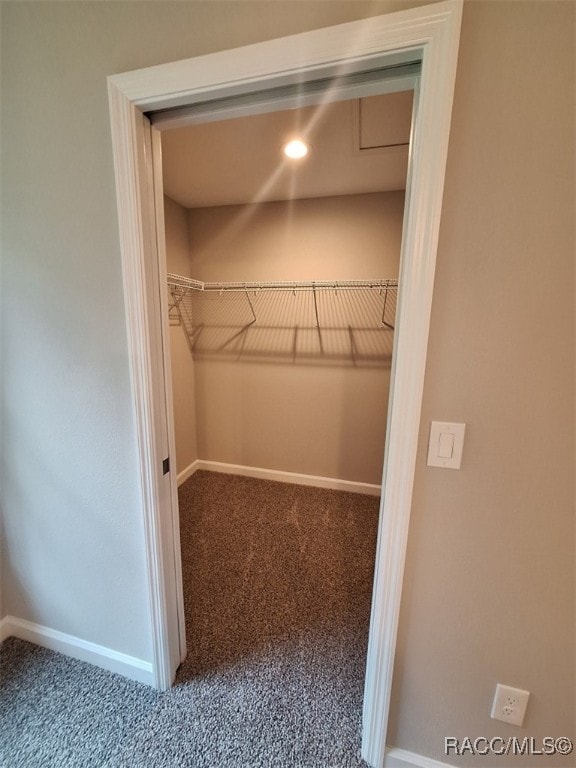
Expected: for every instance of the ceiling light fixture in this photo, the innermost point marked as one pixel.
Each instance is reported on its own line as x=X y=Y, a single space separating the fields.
x=295 y=149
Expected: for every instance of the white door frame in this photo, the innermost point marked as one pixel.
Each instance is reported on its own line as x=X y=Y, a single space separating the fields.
x=431 y=34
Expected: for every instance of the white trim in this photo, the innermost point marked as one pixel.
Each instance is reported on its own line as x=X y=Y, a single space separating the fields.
x=280 y=476
x=98 y=655
x=338 y=50
x=132 y=148
x=402 y=758
x=170 y=447
x=5 y=628
x=431 y=32
x=187 y=472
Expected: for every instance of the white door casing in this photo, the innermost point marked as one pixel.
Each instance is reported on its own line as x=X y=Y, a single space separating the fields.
x=430 y=34
x=170 y=487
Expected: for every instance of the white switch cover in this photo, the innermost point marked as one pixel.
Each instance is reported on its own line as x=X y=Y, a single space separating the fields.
x=446 y=444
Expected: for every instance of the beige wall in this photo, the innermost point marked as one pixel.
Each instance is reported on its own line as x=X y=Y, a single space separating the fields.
x=341 y=238
x=489 y=588
x=182 y=362
x=316 y=411
x=177 y=237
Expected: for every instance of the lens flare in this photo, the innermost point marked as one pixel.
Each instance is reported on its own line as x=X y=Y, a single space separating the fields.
x=296 y=149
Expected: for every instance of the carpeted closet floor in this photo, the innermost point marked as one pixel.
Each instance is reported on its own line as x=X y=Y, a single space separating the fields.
x=277 y=584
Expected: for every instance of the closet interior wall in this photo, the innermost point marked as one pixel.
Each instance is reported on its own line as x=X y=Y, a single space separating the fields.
x=253 y=402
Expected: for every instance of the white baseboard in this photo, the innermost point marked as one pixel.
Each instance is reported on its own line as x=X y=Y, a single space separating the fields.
x=402 y=758
x=4 y=630
x=98 y=655
x=186 y=473
x=279 y=476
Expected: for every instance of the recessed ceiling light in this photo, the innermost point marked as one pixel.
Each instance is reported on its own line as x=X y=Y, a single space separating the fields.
x=295 y=149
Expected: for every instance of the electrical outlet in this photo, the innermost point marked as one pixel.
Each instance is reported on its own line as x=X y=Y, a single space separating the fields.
x=509 y=704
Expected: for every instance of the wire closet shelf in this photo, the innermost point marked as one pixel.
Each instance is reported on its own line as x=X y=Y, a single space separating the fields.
x=180 y=287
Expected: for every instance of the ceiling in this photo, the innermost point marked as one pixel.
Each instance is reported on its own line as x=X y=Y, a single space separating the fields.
x=356 y=146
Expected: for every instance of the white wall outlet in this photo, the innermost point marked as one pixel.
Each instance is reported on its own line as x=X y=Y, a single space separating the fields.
x=509 y=704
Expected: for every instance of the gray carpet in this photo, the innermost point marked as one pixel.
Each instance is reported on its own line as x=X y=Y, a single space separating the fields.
x=277 y=588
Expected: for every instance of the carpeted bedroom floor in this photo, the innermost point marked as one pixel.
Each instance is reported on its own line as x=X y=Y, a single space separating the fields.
x=277 y=584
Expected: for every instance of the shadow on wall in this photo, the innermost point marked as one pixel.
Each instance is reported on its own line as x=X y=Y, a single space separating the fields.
x=332 y=326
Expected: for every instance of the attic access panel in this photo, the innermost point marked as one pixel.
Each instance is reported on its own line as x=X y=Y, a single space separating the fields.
x=384 y=121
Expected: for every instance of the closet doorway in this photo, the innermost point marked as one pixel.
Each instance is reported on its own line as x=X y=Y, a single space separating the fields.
x=427 y=35
x=282 y=288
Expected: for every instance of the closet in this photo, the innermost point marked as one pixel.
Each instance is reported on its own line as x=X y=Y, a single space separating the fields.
x=282 y=285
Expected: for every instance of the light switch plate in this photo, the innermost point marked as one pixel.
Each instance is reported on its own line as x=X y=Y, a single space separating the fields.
x=444 y=436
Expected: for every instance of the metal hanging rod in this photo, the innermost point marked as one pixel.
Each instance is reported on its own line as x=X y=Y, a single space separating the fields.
x=187 y=283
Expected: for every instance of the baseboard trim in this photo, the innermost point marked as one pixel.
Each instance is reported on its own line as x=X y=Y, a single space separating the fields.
x=4 y=629
x=279 y=476
x=98 y=655
x=402 y=758
x=187 y=472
